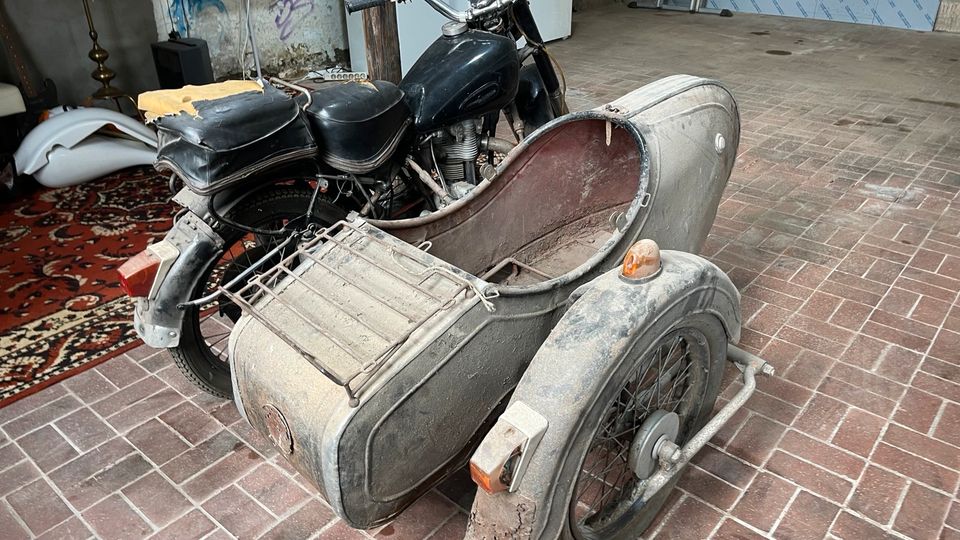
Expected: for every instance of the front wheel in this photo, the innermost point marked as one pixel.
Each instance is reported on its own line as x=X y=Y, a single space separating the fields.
x=202 y=351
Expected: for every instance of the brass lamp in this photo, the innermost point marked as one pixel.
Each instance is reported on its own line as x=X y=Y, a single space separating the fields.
x=98 y=54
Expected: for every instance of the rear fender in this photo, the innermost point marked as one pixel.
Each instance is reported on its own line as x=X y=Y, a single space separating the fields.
x=223 y=201
x=70 y=129
x=158 y=320
x=90 y=159
x=601 y=324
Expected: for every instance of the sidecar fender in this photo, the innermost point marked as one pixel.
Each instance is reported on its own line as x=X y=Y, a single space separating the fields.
x=64 y=151
x=583 y=348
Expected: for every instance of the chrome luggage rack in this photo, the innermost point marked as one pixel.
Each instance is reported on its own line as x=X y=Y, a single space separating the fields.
x=429 y=285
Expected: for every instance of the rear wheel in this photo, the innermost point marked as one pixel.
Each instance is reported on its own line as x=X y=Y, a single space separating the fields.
x=202 y=352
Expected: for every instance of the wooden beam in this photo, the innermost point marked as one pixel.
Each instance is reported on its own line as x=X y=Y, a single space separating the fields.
x=383 y=43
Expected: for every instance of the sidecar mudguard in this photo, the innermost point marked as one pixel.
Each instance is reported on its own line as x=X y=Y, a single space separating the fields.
x=581 y=353
x=63 y=151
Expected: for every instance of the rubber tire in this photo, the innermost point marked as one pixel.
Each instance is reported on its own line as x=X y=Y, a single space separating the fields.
x=716 y=338
x=284 y=202
x=574 y=418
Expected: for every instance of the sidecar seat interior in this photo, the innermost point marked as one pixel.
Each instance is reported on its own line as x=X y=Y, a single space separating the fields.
x=214 y=136
x=358 y=124
x=549 y=208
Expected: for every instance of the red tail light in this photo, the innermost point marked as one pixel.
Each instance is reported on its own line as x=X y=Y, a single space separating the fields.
x=138 y=274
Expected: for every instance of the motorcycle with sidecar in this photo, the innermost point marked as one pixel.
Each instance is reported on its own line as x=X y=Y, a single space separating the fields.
x=258 y=164
x=555 y=330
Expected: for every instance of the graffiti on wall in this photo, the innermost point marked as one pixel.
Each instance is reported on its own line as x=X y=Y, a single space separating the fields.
x=289 y=14
x=181 y=11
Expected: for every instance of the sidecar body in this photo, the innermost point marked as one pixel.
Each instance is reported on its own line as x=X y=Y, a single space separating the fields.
x=377 y=357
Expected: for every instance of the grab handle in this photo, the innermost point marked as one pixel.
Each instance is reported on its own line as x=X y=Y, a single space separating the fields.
x=354 y=6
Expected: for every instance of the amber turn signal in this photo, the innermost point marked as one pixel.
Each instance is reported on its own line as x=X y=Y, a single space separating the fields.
x=486 y=480
x=642 y=260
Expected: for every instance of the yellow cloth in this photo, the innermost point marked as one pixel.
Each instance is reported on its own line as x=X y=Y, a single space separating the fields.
x=162 y=102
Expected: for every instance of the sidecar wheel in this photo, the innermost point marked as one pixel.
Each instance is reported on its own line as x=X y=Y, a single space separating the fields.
x=599 y=399
x=666 y=373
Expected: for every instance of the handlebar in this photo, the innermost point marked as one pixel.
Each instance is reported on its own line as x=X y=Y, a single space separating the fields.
x=477 y=9
x=354 y=6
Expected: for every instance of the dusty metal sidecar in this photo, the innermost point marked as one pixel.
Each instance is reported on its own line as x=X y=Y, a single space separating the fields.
x=380 y=356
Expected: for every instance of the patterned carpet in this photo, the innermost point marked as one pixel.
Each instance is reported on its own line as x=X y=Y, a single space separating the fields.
x=61 y=309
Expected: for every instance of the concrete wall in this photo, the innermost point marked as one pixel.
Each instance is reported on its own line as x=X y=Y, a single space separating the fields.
x=54 y=33
x=291 y=34
x=949 y=18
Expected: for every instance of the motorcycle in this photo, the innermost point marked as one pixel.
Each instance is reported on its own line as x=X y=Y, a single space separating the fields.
x=555 y=330
x=258 y=165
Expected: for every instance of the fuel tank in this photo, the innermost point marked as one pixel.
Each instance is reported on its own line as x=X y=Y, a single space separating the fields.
x=462 y=76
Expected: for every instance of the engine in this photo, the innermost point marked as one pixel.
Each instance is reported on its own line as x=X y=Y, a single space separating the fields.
x=459 y=147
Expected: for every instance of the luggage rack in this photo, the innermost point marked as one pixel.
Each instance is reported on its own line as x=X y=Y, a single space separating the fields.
x=408 y=267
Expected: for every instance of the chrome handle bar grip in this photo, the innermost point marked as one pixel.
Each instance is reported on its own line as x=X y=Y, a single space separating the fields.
x=471 y=14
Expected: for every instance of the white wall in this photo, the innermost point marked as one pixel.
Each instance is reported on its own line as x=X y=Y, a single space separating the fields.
x=291 y=34
x=54 y=35
x=949 y=18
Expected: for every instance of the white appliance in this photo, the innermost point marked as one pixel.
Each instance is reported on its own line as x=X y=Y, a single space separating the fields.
x=419 y=26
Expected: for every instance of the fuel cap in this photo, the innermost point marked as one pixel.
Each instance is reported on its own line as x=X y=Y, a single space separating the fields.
x=453 y=29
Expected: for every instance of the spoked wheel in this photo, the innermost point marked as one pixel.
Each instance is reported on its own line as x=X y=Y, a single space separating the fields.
x=631 y=366
x=202 y=353
x=657 y=401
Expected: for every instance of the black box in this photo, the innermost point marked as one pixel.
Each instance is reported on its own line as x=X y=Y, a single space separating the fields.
x=181 y=62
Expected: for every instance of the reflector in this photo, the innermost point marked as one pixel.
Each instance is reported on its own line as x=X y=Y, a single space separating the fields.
x=138 y=273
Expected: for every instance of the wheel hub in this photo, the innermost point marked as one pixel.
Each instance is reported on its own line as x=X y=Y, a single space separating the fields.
x=660 y=426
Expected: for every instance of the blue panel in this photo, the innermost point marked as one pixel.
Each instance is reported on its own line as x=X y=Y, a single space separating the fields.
x=855 y=11
x=913 y=14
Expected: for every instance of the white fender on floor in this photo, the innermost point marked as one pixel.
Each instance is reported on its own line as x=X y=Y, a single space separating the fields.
x=63 y=151
x=90 y=159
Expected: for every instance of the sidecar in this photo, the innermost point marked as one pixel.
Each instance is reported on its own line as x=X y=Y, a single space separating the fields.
x=381 y=356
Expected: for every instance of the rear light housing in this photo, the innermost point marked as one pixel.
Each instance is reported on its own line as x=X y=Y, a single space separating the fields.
x=502 y=458
x=142 y=273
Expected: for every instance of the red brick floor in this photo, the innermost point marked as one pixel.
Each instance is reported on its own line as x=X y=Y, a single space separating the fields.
x=841 y=226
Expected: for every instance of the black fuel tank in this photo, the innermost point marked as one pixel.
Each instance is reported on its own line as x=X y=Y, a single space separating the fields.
x=461 y=77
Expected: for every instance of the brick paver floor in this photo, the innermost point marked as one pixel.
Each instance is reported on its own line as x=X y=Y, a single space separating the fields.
x=840 y=226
